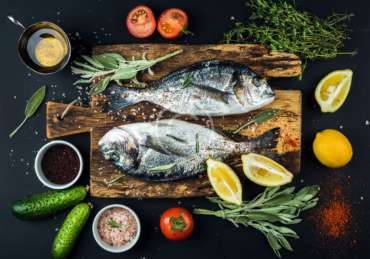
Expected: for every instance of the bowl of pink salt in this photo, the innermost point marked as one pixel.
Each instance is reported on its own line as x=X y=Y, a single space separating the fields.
x=116 y=228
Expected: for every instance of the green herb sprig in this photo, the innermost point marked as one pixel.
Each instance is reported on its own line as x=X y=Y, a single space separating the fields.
x=113 y=223
x=32 y=105
x=99 y=70
x=268 y=212
x=281 y=26
x=259 y=118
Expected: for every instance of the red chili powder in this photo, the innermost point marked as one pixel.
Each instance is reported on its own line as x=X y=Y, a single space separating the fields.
x=335 y=216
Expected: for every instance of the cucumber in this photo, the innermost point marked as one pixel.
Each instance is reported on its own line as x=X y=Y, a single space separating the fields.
x=70 y=230
x=48 y=203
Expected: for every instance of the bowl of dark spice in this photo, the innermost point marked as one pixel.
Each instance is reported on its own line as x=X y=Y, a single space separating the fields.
x=58 y=164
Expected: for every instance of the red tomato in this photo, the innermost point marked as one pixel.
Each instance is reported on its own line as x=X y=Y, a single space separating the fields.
x=177 y=224
x=140 y=21
x=172 y=23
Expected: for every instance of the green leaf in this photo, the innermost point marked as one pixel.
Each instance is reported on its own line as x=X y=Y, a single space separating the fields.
x=162 y=168
x=113 y=223
x=35 y=101
x=100 y=86
x=93 y=62
x=259 y=118
x=124 y=74
x=107 y=61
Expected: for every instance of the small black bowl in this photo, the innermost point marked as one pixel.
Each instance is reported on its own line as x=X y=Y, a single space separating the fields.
x=25 y=56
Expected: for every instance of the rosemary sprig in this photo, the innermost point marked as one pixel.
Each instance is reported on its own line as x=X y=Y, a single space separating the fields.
x=109 y=67
x=259 y=118
x=281 y=26
x=162 y=168
x=113 y=223
x=268 y=211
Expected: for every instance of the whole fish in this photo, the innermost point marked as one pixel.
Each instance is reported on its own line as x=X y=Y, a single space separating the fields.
x=171 y=149
x=208 y=88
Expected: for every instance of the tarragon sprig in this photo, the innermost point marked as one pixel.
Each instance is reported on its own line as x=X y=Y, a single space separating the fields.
x=99 y=70
x=268 y=212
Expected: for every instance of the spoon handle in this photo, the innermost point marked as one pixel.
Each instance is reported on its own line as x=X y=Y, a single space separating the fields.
x=15 y=21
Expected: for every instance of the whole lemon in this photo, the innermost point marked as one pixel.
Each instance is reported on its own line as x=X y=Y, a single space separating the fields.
x=332 y=148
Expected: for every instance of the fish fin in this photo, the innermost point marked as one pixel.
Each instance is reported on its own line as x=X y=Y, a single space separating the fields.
x=267 y=140
x=120 y=97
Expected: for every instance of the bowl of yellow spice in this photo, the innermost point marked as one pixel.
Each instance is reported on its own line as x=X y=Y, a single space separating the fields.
x=44 y=47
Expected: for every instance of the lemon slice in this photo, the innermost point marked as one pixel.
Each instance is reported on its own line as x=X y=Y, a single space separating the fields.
x=224 y=181
x=333 y=89
x=264 y=171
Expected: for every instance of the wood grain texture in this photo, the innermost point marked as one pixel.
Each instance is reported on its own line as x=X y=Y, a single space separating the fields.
x=257 y=57
x=107 y=181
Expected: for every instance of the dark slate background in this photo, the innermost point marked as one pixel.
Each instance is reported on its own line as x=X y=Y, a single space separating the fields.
x=92 y=22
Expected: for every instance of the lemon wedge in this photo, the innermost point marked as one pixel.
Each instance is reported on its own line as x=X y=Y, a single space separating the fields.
x=333 y=89
x=264 y=171
x=224 y=181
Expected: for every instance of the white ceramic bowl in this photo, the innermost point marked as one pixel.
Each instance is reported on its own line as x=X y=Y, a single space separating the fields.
x=106 y=246
x=38 y=169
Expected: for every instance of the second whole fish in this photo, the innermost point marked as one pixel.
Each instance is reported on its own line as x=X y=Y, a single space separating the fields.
x=208 y=88
x=171 y=149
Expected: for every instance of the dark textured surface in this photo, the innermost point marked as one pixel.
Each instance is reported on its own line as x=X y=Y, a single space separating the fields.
x=213 y=238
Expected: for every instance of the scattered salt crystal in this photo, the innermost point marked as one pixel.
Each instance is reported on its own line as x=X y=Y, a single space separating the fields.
x=56 y=229
x=22 y=160
x=302 y=181
x=58 y=13
x=14 y=97
x=341 y=126
x=27 y=173
x=367 y=122
x=362 y=198
x=36 y=132
x=232 y=18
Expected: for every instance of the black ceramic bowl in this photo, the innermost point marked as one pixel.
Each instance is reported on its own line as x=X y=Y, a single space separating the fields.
x=24 y=53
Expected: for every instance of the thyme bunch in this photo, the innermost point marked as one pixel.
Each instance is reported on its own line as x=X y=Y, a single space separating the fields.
x=268 y=212
x=281 y=26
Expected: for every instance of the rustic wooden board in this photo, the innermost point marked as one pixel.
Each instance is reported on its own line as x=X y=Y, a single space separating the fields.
x=91 y=119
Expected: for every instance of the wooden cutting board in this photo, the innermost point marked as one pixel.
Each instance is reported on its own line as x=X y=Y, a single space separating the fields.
x=107 y=181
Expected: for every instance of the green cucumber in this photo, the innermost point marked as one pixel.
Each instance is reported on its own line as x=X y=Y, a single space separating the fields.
x=48 y=203
x=70 y=230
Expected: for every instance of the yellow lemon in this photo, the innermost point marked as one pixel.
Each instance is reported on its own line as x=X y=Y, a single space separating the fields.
x=265 y=171
x=224 y=181
x=332 y=148
x=333 y=89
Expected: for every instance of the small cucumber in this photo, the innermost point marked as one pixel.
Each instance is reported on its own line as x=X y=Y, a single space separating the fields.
x=70 y=230
x=48 y=203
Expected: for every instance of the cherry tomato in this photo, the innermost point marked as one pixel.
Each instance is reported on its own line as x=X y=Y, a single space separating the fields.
x=172 y=23
x=140 y=21
x=177 y=224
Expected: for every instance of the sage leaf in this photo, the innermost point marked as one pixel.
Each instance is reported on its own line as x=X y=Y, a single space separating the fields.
x=115 y=67
x=100 y=86
x=32 y=105
x=107 y=61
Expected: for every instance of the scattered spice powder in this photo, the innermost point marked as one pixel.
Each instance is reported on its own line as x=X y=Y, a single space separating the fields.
x=336 y=215
x=60 y=164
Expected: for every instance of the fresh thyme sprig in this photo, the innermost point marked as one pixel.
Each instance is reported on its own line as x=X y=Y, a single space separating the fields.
x=99 y=70
x=268 y=211
x=281 y=26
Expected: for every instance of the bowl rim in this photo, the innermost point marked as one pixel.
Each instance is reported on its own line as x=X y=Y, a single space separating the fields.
x=40 y=174
x=104 y=245
x=65 y=35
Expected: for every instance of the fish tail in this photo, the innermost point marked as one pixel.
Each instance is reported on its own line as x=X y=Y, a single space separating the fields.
x=267 y=140
x=120 y=97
